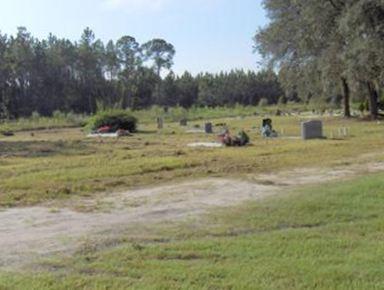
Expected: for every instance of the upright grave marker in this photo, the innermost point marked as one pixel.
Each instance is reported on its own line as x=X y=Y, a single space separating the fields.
x=208 y=128
x=160 y=123
x=312 y=130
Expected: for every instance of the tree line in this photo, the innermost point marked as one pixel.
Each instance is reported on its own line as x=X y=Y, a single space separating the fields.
x=326 y=48
x=58 y=74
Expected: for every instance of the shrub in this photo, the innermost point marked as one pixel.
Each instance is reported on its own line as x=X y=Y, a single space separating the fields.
x=116 y=119
x=178 y=113
x=58 y=114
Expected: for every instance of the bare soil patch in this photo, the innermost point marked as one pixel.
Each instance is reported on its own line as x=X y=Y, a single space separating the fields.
x=27 y=234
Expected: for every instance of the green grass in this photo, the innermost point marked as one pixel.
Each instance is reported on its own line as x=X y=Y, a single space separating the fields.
x=147 y=116
x=320 y=237
x=175 y=114
x=194 y=113
x=60 y=120
x=61 y=163
x=315 y=238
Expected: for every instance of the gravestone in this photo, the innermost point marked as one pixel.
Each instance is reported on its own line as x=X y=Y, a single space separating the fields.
x=208 y=128
x=267 y=129
x=312 y=130
x=160 y=123
x=183 y=122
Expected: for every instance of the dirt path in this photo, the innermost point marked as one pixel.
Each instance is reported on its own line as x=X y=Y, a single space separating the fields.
x=33 y=232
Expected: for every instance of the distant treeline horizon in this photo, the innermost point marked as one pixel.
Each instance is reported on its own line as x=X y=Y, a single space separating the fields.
x=54 y=74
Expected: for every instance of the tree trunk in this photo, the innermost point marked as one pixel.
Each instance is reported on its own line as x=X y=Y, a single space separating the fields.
x=346 y=98
x=373 y=101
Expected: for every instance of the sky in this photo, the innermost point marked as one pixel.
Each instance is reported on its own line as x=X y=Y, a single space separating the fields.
x=209 y=35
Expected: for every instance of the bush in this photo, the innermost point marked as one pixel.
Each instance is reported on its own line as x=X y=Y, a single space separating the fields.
x=58 y=114
x=116 y=119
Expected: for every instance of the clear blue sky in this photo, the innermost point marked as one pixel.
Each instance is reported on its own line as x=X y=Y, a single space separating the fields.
x=209 y=35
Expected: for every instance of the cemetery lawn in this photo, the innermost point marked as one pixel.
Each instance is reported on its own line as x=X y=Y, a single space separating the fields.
x=51 y=165
x=318 y=237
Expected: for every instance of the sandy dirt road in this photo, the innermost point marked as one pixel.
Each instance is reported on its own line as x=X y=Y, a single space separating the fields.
x=27 y=234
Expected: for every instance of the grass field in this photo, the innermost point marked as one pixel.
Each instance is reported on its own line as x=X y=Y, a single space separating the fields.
x=148 y=116
x=53 y=164
x=315 y=237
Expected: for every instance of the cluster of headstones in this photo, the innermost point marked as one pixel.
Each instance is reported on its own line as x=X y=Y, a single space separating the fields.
x=312 y=130
x=309 y=130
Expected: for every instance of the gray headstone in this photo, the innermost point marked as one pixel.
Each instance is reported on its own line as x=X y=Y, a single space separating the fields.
x=208 y=128
x=160 y=123
x=312 y=130
x=183 y=122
